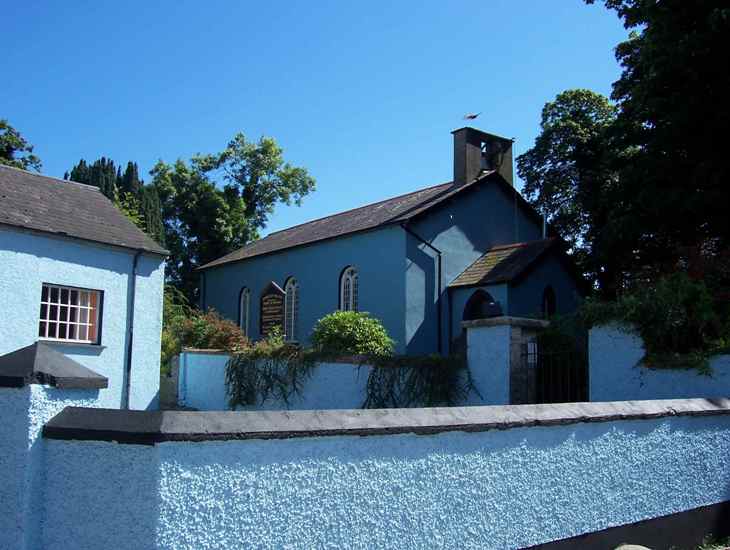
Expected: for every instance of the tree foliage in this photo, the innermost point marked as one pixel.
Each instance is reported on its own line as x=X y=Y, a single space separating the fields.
x=570 y=176
x=217 y=203
x=673 y=113
x=139 y=202
x=15 y=150
x=639 y=186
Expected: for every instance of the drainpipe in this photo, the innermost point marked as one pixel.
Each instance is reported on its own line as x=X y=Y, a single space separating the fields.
x=438 y=299
x=130 y=329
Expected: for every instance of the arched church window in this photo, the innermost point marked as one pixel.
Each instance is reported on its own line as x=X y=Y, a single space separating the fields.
x=349 y=290
x=291 y=310
x=244 y=310
x=549 y=302
x=481 y=305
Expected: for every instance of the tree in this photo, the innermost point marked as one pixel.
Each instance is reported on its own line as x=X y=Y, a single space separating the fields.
x=217 y=203
x=15 y=150
x=127 y=190
x=257 y=173
x=673 y=116
x=103 y=174
x=570 y=177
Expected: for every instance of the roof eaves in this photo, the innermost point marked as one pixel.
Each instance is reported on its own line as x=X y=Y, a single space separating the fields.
x=158 y=251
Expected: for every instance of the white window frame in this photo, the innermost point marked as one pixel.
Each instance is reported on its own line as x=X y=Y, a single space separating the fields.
x=349 y=290
x=291 y=310
x=244 y=320
x=78 y=316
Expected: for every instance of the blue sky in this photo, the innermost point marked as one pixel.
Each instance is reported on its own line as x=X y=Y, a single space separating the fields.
x=362 y=94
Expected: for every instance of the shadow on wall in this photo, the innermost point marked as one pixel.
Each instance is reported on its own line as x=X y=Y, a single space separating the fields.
x=122 y=511
x=421 y=300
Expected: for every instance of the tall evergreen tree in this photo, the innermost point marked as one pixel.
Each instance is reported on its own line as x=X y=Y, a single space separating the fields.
x=129 y=181
x=102 y=174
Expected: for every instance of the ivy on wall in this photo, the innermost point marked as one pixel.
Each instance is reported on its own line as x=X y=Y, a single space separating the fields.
x=269 y=370
x=276 y=371
x=430 y=381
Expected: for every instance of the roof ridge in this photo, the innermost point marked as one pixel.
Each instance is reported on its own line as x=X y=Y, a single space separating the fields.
x=60 y=180
x=520 y=244
x=369 y=205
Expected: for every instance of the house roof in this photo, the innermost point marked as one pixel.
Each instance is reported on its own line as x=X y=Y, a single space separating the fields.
x=39 y=363
x=502 y=264
x=70 y=209
x=390 y=211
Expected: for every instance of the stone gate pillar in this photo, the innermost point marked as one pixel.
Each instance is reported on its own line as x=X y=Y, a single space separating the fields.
x=499 y=355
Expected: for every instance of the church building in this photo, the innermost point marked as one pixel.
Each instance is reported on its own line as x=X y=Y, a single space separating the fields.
x=422 y=262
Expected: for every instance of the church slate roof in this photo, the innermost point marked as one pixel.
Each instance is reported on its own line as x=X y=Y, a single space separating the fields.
x=69 y=209
x=387 y=212
x=502 y=264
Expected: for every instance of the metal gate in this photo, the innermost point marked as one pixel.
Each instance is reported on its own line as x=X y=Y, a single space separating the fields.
x=556 y=376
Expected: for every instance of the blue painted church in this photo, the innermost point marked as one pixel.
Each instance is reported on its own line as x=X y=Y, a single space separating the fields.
x=422 y=262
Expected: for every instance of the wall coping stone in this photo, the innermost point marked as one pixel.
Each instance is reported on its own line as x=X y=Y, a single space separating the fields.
x=506 y=320
x=40 y=363
x=344 y=359
x=151 y=427
x=206 y=351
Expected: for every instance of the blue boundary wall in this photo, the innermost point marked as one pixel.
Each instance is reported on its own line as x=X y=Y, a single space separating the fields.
x=615 y=354
x=343 y=384
x=471 y=477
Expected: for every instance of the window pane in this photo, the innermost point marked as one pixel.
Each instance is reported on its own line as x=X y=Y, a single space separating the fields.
x=52 y=330
x=354 y=293
x=74 y=297
x=82 y=332
x=42 y=329
x=44 y=294
x=54 y=294
x=64 y=296
x=83 y=315
x=44 y=311
x=73 y=313
x=63 y=312
x=62 y=330
x=83 y=298
x=53 y=313
x=72 y=332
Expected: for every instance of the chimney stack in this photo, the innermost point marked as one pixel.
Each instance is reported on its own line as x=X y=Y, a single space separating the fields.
x=476 y=152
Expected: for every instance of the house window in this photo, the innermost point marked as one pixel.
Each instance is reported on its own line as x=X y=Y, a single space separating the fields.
x=69 y=314
x=244 y=315
x=349 y=290
x=291 y=310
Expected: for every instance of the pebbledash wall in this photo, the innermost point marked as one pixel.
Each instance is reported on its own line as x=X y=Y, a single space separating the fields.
x=616 y=373
x=474 y=477
x=27 y=260
x=24 y=412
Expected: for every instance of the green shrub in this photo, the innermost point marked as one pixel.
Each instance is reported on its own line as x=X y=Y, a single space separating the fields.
x=677 y=319
x=187 y=327
x=351 y=333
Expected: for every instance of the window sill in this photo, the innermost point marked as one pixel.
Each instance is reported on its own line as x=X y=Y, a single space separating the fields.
x=82 y=345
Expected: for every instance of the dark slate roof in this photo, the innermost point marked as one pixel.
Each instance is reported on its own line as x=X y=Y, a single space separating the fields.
x=71 y=209
x=39 y=363
x=502 y=264
x=390 y=211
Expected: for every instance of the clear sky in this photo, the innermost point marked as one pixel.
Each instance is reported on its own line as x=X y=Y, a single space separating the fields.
x=363 y=94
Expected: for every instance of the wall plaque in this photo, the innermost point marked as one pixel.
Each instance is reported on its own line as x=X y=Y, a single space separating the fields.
x=272 y=309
